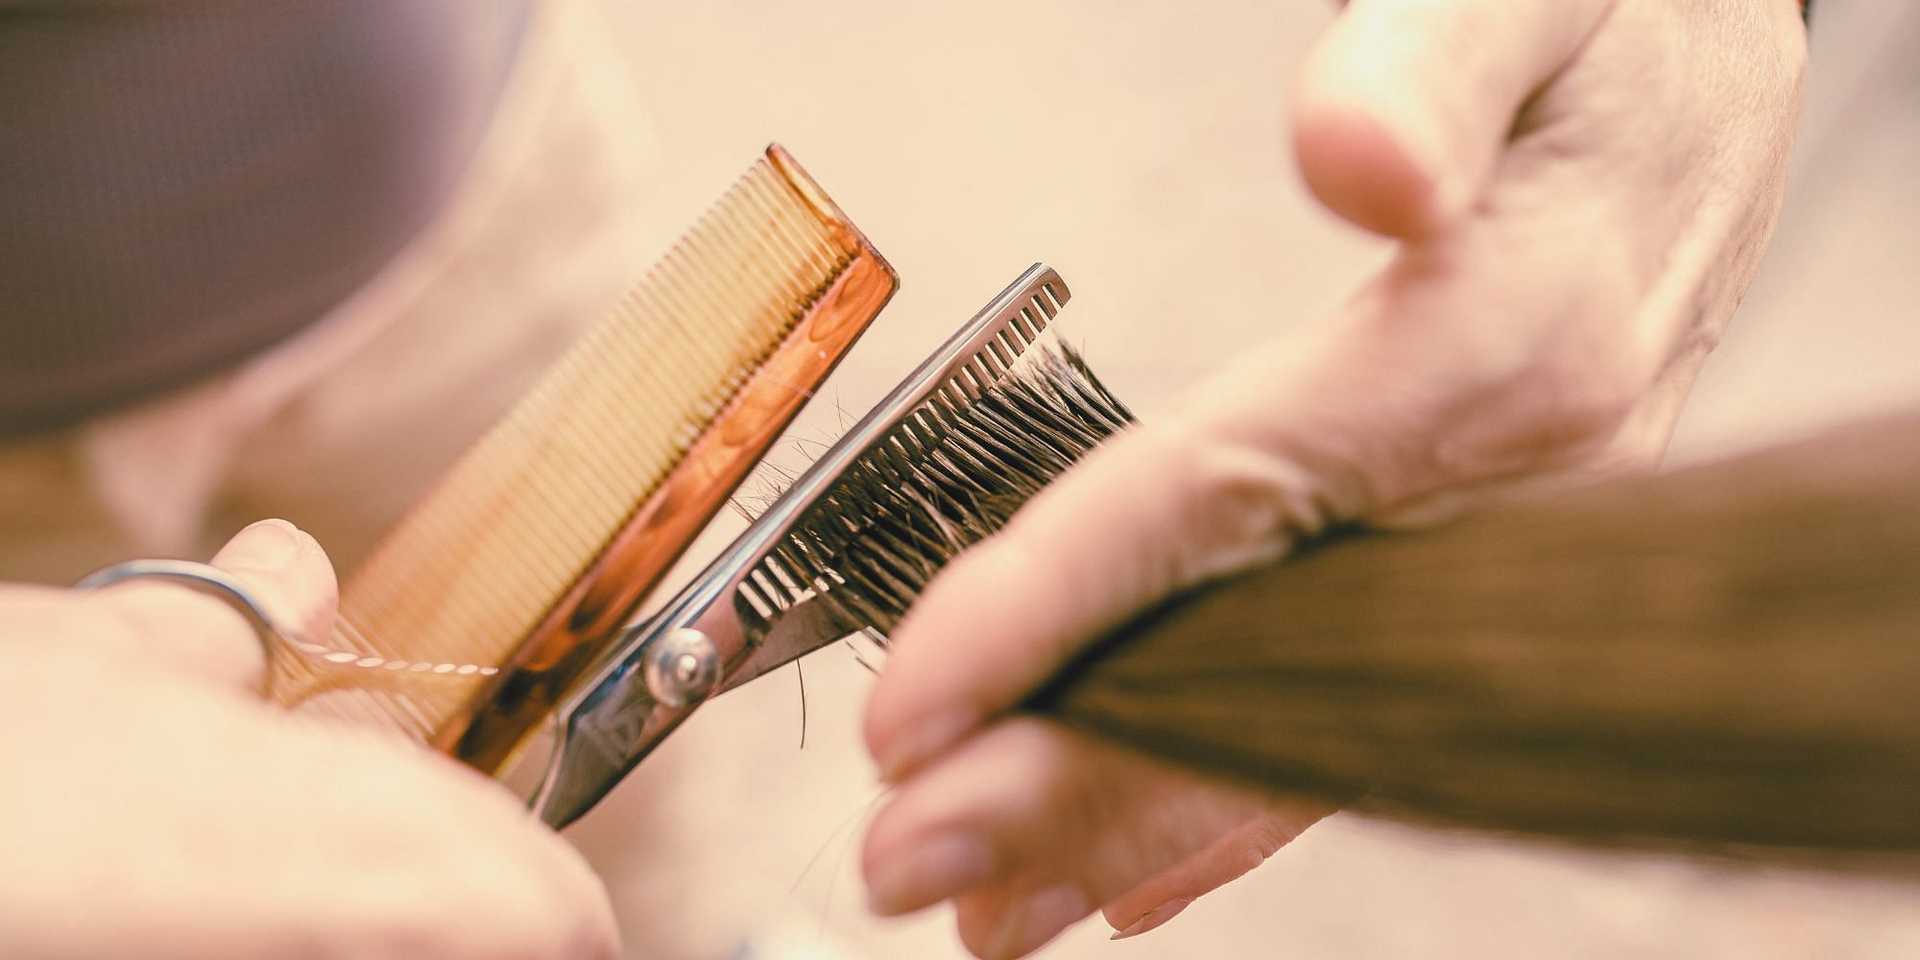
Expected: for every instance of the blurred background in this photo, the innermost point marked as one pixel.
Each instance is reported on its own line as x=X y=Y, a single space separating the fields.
x=1139 y=148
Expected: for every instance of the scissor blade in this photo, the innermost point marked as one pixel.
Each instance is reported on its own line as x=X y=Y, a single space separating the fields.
x=615 y=724
x=801 y=629
x=590 y=757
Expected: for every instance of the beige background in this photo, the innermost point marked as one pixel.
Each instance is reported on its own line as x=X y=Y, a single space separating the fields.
x=1140 y=149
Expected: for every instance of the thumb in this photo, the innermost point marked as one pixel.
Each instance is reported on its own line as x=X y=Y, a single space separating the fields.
x=1403 y=106
x=1157 y=508
x=202 y=635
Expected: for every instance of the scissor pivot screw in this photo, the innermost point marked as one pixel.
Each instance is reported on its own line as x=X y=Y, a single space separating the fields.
x=681 y=667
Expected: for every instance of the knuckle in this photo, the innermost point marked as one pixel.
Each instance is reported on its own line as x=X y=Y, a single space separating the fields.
x=1237 y=505
x=1247 y=856
x=1267 y=836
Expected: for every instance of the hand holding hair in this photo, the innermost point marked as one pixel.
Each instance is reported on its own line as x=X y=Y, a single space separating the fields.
x=1724 y=658
x=1581 y=192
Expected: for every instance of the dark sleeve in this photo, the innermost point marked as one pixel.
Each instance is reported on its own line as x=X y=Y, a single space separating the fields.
x=186 y=185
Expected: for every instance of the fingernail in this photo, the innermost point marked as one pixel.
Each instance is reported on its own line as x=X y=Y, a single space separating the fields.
x=932 y=872
x=1037 y=920
x=921 y=742
x=1153 y=918
x=266 y=545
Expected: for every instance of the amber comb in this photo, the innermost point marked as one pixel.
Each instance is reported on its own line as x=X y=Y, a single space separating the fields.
x=473 y=616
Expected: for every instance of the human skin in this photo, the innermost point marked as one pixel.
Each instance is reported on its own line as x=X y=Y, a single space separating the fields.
x=159 y=807
x=1580 y=190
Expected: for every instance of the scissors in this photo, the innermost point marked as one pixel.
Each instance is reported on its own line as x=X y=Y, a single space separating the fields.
x=732 y=623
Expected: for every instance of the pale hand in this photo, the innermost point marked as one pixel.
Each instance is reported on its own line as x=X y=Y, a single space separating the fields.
x=158 y=807
x=1581 y=190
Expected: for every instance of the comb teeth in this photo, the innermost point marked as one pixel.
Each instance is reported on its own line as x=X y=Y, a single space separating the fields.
x=953 y=471
x=477 y=565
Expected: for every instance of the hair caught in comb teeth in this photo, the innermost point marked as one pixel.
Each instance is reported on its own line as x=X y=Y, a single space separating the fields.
x=948 y=476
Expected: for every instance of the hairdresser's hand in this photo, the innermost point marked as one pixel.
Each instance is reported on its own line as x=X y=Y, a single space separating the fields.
x=157 y=807
x=1581 y=189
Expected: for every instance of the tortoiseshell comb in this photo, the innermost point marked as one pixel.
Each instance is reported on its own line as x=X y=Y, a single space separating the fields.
x=478 y=610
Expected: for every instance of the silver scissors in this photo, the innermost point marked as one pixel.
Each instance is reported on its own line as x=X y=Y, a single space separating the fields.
x=742 y=617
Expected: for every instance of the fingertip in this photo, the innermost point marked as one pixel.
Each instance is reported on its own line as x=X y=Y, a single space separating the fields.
x=915 y=855
x=289 y=570
x=1367 y=173
x=596 y=931
x=1166 y=894
x=1404 y=106
x=978 y=917
x=281 y=550
x=569 y=912
x=1013 y=925
x=554 y=895
x=1151 y=920
x=944 y=835
x=264 y=545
